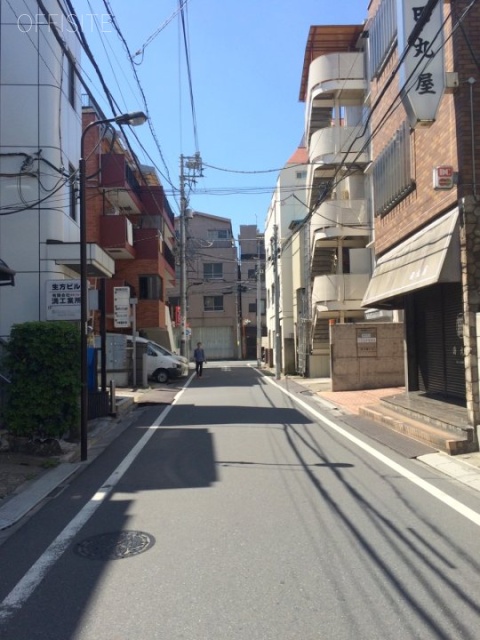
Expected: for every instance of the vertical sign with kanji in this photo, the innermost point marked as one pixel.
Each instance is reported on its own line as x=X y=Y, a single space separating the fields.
x=422 y=73
x=121 y=306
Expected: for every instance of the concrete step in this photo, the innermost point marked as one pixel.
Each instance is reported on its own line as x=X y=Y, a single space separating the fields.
x=451 y=442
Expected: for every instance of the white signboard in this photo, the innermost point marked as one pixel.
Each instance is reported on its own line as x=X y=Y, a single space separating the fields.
x=422 y=74
x=443 y=177
x=63 y=299
x=121 y=305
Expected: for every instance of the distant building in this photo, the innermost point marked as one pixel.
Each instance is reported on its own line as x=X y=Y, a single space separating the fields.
x=251 y=289
x=212 y=287
x=287 y=207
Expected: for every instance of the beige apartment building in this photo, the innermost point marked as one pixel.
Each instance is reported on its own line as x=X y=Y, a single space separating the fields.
x=251 y=290
x=212 y=287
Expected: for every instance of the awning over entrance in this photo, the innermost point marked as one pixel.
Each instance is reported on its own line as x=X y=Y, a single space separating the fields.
x=430 y=256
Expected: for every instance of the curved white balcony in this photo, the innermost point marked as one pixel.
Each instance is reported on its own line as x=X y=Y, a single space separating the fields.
x=333 y=78
x=339 y=292
x=339 y=218
x=336 y=79
x=334 y=146
x=339 y=75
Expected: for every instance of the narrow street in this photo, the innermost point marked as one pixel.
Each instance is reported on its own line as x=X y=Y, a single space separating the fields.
x=239 y=514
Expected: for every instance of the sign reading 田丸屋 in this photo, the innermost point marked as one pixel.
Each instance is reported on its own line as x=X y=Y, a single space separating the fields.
x=422 y=73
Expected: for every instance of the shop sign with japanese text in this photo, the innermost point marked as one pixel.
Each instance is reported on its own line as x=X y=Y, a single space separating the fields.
x=63 y=299
x=121 y=304
x=422 y=73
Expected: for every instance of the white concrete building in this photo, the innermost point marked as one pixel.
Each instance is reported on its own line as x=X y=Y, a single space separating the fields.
x=334 y=89
x=286 y=209
x=40 y=131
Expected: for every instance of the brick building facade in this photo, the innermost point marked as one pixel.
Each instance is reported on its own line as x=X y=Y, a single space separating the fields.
x=426 y=232
x=129 y=216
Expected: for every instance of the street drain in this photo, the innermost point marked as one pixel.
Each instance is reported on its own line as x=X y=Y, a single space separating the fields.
x=115 y=546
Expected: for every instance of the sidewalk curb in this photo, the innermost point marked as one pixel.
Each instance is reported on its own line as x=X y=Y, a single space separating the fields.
x=34 y=492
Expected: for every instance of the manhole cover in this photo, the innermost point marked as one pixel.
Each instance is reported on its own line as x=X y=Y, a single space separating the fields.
x=115 y=546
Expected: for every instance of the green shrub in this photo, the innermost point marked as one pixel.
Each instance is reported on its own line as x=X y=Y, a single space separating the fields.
x=43 y=360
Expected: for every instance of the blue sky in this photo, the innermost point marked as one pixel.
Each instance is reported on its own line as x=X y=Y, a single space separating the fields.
x=246 y=59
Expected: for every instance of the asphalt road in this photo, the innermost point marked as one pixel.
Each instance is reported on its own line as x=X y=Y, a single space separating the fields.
x=238 y=514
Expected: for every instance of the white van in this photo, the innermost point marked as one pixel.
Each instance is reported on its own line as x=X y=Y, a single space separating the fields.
x=161 y=364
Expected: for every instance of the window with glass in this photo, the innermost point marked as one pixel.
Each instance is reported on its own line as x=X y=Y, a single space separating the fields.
x=219 y=234
x=71 y=81
x=150 y=287
x=213 y=303
x=212 y=271
x=252 y=307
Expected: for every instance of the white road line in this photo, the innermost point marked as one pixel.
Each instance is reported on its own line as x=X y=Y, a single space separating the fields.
x=30 y=581
x=454 y=504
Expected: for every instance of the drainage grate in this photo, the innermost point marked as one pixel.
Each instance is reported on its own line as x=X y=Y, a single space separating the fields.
x=115 y=546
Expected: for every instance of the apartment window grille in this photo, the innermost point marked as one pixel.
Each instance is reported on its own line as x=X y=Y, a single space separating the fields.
x=392 y=174
x=150 y=287
x=213 y=271
x=213 y=303
x=382 y=34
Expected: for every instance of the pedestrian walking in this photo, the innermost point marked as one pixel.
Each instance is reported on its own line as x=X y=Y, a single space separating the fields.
x=199 y=357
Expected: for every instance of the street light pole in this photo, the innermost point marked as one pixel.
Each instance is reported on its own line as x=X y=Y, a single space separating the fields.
x=135 y=118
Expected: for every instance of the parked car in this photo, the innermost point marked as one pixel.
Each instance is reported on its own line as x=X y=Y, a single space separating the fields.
x=161 y=363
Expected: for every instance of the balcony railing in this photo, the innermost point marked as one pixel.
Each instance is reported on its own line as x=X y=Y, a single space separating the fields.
x=340 y=292
x=169 y=256
x=342 y=73
x=116 y=237
x=335 y=146
x=336 y=78
x=120 y=183
x=339 y=218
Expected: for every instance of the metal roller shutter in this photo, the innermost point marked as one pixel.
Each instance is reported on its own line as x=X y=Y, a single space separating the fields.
x=453 y=330
x=439 y=342
x=218 y=342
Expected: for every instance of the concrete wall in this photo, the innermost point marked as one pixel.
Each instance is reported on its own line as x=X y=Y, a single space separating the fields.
x=367 y=356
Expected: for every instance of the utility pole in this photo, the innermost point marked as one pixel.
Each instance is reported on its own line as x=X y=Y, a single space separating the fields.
x=277 y=303
x=190 y=169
